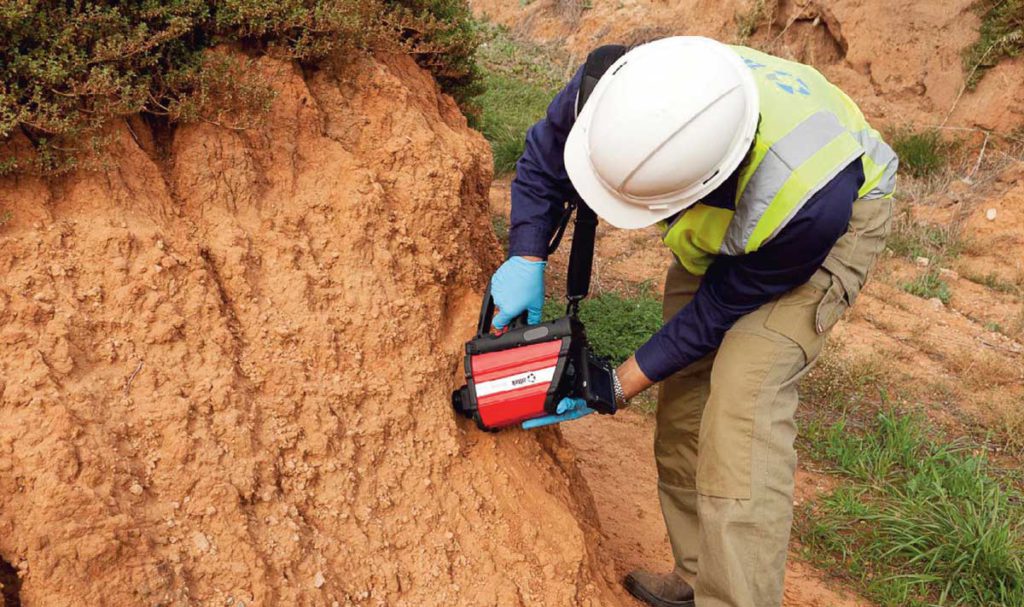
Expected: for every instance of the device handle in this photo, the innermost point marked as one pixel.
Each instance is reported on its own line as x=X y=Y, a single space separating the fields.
x=483 y=325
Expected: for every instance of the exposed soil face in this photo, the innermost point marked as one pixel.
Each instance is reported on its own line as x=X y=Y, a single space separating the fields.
x=901 y=61
x=227 y=365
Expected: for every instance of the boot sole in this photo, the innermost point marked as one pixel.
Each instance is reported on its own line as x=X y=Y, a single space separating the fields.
x=638 y=591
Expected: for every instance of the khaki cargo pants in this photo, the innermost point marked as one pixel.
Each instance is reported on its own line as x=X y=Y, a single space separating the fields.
x=726 y=428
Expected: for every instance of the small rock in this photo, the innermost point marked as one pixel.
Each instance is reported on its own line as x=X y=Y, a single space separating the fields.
x=318 y=580
x=936 y=303
x=136 y=489
x=231 y=600
x=200 y=541
x=991 y=214
x=922 y=261
x=948 y=274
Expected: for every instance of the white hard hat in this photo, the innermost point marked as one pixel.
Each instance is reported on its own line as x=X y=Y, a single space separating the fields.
x=665 y=125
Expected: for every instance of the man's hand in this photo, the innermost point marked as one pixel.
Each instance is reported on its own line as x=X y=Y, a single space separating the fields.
x=518 y=286
x=632 y=379
x=568 y=409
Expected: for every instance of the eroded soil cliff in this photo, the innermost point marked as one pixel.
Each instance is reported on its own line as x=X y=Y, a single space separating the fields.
x=227 y=361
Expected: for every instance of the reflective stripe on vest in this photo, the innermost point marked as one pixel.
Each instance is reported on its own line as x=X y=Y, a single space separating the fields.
x=809 y=131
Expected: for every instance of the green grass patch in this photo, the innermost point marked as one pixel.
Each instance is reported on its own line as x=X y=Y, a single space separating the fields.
x=616 y=324
x=500 y=224
x=748 y=22
x=912 y=239
x=994 y=327
x=5 y=216
x=920 y=521
x=1001 y=36
x=921 y=153
x=929 y=285
x=994 y=282
x=520 y=79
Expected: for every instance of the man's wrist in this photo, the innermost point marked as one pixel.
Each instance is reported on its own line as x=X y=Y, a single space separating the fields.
x=620 y=394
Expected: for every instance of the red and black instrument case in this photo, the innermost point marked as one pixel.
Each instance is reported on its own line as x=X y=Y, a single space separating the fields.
x=525 y=371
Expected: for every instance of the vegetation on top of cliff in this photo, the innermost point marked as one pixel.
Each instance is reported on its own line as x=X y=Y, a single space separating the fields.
x=520 y=79
x=68 y=68
x=1002 y=36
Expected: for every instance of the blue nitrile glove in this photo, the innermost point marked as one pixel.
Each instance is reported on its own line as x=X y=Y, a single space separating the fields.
x=518 y=286
x=568 y=410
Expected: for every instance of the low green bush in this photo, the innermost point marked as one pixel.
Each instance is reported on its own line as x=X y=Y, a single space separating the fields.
x=1001 y=36
x=66 y=68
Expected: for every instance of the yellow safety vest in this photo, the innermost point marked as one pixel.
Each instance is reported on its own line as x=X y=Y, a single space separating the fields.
x=808 y=132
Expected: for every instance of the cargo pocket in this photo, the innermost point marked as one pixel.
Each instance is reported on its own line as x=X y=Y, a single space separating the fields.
x=807 y=313
x=832 y=307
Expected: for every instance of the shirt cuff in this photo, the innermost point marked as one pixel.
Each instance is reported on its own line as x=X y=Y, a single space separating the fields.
x=655 y=360
x=528 y=241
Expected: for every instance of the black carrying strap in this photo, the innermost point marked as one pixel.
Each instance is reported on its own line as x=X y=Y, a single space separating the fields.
x=598 y=62
x=581 y=256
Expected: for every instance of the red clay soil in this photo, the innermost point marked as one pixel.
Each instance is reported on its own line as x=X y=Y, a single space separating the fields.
x=900 y=60
x=227 y=361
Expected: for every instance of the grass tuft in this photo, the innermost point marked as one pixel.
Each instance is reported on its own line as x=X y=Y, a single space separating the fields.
x=921 y=153
x=922 y=521
x=928 y=286
x=912 y=239
x=994 y=282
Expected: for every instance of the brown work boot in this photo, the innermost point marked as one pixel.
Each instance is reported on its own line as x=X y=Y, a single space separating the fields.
x=660 y=589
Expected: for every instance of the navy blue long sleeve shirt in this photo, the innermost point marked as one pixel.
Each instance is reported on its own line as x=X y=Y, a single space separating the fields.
x=732 y=286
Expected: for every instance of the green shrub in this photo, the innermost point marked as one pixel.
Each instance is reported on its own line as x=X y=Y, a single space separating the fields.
x=921 y=153
x=616 y=325
x=67 y=68
x=1001 y=36
x=919 y=521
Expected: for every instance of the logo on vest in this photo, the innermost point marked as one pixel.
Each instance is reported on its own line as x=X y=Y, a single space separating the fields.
x=789 y=83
